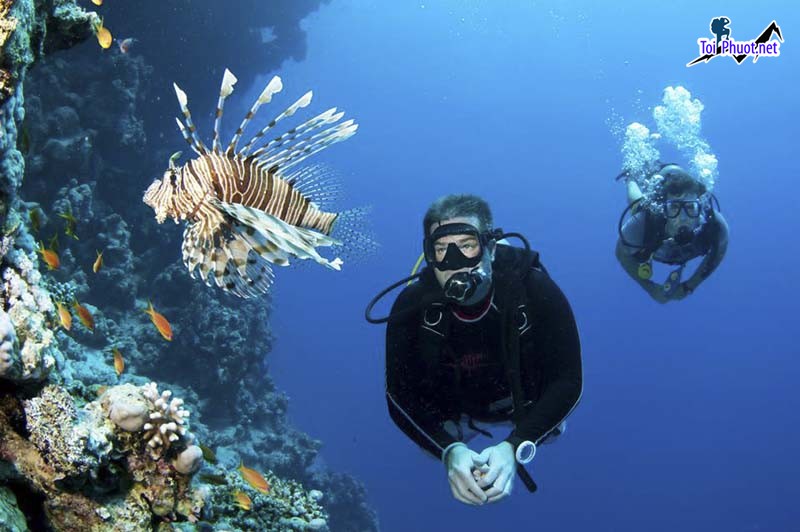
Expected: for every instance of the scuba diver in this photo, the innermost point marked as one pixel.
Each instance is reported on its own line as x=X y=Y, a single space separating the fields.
x=678 y=222
x=483 y=337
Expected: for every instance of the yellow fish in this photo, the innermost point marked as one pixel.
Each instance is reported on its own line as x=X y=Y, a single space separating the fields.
x=241 y=500
x=160 y=322
x=72 y=223
x=119 y=362
x=103 y=36
x=208 y=454
x=254 y=478
x=64 y=316
x=97 y=2
x=36 y=219
x=98 y=262
x=84 y=315
x=50 y=257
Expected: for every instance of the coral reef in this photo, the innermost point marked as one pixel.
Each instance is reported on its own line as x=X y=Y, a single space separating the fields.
x=166 y=420
x=82 y=448
x=73 y=446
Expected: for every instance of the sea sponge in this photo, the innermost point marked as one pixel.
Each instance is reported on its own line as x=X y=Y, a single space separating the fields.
x=127 y=407
x=189 y=460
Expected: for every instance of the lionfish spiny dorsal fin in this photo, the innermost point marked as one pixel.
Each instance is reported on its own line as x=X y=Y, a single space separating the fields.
x=197 y=149
x=184 y=103
x=303 y=101
x=293 y=135
x=305 y=149
x=273 y=87
x=228 y=81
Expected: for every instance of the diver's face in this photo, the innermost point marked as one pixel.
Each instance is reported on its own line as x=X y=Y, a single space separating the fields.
x=682 y=211
x=467 y=244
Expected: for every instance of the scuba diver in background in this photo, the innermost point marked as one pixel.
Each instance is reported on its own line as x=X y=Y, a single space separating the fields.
x=673 y=225
x=485 y=335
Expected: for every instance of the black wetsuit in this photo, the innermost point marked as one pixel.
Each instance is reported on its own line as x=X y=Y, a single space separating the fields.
x=439 y=367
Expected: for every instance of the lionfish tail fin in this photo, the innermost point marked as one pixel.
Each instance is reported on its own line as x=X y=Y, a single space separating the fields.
x=353 y=228
x=280 y=240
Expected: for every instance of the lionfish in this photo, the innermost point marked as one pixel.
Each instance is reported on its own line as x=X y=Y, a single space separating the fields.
x=251 y=207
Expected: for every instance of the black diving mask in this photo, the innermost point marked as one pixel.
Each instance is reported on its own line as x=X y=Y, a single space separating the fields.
x=467 y=253
x=473 y=251
x=692 y=208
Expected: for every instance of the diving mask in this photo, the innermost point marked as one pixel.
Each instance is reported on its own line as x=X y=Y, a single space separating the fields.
x=473 y=251
x=692 y=208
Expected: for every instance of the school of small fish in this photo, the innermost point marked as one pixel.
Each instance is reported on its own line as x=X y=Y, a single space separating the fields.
x=301 y=249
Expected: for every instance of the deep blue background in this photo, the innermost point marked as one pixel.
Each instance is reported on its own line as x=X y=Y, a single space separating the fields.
x=689 y=414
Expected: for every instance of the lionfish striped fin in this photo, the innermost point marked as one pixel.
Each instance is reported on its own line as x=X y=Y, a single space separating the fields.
x=228 y=81
x=273 y=87
x=328 y=117
x=318 y=182
x=235 y=267
x=305 y=149
x=295 y=241
x=303 y=101
x=247 y=274
x=184 y=103
x=197 y=149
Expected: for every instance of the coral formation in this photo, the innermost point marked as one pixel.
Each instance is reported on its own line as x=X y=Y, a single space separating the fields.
x=72 y=445
x=8 y=344
x=78 y=443
x=166 y=420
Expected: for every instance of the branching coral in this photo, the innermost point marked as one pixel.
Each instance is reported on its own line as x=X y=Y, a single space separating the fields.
x=167 y=420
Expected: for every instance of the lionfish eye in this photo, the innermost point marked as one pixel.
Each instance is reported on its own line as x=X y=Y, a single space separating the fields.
x=173 y=178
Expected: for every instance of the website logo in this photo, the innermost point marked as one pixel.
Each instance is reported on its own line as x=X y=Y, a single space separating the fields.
x=723 y=45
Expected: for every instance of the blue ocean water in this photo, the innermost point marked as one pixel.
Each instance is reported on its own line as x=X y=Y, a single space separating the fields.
x=688 y=417
x=687 y=420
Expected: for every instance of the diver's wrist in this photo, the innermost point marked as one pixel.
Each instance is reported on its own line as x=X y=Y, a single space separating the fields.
x=449 y=448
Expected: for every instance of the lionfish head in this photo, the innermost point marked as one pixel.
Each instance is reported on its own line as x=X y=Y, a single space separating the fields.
x=161 y=195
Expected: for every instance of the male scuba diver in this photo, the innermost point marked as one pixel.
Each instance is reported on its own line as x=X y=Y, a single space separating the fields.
x=484 y=337
x=675 y=224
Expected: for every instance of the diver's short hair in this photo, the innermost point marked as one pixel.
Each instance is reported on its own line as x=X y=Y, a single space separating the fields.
x=455 y=205
x=678 y=181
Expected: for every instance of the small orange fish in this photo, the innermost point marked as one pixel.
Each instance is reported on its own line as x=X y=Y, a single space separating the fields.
x=98 y=262
x=64 y=316
x=103 y=36
x=119 y=362
x=254 y=478
x=84 y=315
x=241 y=500
x=160 y=322
x=102 y=389
x=49 y=257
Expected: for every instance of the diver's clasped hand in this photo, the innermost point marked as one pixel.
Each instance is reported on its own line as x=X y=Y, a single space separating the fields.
x=460 y=462
x=498 y=480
